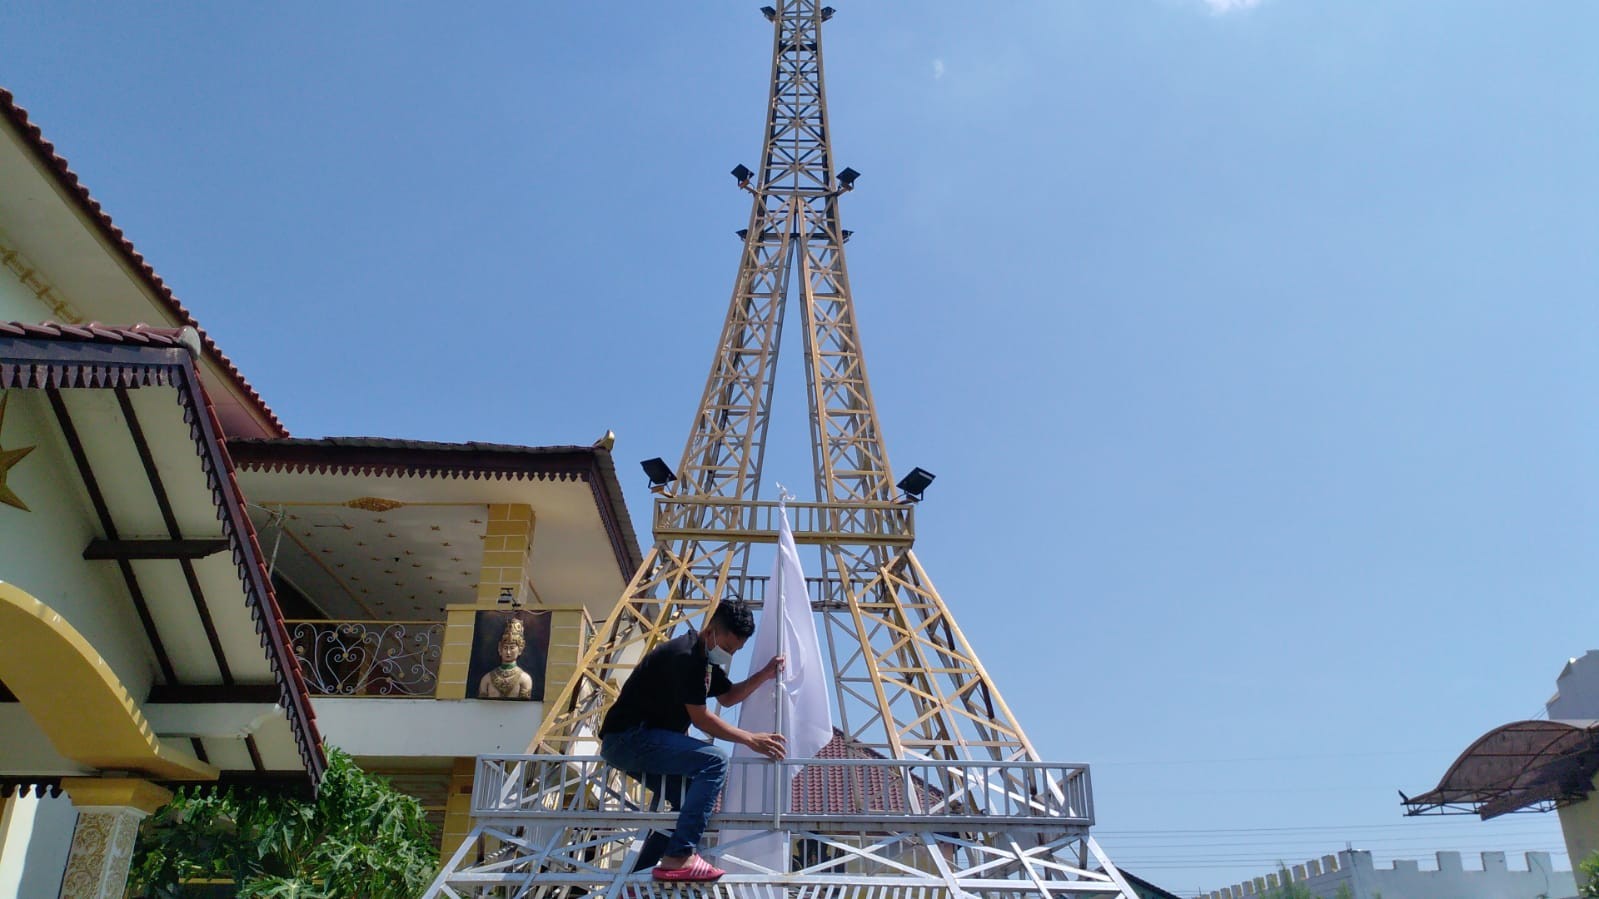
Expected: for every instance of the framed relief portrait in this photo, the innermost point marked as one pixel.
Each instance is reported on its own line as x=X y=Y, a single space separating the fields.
x=509 y=650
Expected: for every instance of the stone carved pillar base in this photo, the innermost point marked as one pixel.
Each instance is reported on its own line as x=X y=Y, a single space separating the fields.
x=109 y=812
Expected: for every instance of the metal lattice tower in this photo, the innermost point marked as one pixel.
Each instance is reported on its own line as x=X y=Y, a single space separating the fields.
x=980 y=813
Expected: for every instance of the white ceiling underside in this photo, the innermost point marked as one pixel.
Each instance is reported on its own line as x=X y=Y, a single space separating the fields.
x=114 y=458
x=410 y=561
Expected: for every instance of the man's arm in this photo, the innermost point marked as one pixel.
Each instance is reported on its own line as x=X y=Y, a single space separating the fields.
x=742 y=690
x=769 y=745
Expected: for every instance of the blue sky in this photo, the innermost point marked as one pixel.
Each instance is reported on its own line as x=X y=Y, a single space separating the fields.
x=1253 y=344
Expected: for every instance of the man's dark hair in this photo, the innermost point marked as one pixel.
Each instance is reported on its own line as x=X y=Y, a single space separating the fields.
x=734 y=617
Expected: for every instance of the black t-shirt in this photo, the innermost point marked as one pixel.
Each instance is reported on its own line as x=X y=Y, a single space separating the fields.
x=670 y=676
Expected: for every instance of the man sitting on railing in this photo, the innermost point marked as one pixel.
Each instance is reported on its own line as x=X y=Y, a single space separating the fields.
x=646 y=734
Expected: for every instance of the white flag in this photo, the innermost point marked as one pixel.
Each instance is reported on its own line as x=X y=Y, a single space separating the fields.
x=787 y=628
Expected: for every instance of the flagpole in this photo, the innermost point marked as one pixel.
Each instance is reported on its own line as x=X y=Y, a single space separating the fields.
x=782 y=634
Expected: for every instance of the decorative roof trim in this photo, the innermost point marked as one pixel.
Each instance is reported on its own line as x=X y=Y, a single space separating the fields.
x=294 y=696
x=67 y=179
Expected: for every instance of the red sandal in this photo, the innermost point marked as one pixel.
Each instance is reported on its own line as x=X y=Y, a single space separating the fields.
x=698 y=870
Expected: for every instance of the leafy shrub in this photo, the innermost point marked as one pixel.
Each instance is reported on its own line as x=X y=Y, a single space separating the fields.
x=1588 y=877
x=359 y=837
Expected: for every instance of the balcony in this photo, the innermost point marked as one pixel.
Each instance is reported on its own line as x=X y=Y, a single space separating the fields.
x=369 y=658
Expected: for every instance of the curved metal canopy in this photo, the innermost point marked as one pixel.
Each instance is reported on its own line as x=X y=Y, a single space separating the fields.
x=1521 y=766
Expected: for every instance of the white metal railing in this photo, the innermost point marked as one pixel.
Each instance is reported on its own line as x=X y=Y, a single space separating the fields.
x=857 y=794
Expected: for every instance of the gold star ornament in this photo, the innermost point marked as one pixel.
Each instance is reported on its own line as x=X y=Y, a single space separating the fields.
x=9 y=458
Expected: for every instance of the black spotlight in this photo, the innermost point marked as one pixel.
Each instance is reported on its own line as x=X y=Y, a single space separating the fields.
x=846 y=178
x=915 y=483
x=769 y=13
x=660 y=474
x=742 y=173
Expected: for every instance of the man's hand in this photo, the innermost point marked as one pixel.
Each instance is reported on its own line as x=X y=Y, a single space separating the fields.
x=771 y=669
x=770 y=745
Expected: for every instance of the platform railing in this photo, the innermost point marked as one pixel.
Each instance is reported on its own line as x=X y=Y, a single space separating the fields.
x=755 y=521
x=551 y=826
x=851 y=794
x=824 y=592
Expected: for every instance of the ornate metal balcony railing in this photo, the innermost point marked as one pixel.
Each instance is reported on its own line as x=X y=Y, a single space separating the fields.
x=690 y=518
x=368 y=658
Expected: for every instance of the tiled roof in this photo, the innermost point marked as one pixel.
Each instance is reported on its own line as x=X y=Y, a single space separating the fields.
x=69 y=182
x=391 y=443
x=835 y=790
x=96 y=332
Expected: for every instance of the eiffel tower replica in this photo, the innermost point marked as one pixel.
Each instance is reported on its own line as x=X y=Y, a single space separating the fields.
x=930 y=788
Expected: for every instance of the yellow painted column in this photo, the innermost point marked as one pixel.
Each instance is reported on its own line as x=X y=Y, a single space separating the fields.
x=109 y=812
x=507 y=548
x=456 y=656
x=569 y=631
x=457 y=807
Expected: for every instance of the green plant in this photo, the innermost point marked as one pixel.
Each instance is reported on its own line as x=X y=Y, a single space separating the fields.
x=359 y=837
x=1588 y=877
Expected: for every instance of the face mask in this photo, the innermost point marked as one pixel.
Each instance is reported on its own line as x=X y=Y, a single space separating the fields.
x=719 y=656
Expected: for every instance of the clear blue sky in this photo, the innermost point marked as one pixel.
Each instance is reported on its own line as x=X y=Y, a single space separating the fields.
x=1256 y=350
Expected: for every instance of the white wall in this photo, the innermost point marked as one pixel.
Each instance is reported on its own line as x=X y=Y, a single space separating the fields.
x=1406 y=879
x=43 y=548
x=1577 y=698
x=428 y=728
x=1576 y=690
x=20 y=302
x=35 y=836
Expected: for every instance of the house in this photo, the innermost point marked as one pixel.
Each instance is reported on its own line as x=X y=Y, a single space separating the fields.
x=189 y=595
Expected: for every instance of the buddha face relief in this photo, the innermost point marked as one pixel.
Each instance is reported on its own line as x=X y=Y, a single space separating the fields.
x=510 y=651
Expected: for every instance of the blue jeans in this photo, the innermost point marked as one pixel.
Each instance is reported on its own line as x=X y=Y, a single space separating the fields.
x=687 y=773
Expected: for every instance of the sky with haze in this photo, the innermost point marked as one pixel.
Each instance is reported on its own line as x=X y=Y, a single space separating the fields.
x=1254 y=343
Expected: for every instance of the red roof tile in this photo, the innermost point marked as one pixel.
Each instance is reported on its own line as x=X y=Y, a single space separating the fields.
x=96 y=332
x=69 y=182
x=835 y=790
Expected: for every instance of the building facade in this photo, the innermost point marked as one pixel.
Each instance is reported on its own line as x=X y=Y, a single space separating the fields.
x=189 y=595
